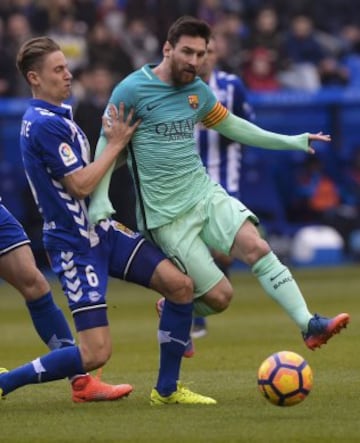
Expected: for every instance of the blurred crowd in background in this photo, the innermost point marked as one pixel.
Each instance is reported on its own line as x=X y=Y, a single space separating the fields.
x=273 y=45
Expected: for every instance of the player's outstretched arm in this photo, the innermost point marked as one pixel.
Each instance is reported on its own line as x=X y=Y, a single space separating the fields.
x=247 y=133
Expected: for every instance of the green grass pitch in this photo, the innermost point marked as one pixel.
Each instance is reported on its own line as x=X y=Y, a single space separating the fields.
x=225 y=367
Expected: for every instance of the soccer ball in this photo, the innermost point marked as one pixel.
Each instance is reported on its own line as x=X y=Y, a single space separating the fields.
x=285 y=378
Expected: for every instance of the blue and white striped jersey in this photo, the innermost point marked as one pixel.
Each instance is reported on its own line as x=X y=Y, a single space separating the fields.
x=221 y=156
x=53 y=146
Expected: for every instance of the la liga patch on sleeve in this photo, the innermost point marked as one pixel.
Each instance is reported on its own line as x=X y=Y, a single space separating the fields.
x=67 y=154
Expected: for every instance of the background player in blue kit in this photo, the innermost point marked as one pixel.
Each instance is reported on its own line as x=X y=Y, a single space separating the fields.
x=56 y=157
x=18 y=268
x=220 y=155
x=178 y=205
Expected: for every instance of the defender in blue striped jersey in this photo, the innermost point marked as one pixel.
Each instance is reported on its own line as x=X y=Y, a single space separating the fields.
x=56 y=157
x=178 y=205
x=220 y=155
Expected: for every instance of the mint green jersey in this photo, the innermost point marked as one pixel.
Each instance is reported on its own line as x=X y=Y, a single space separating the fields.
x=168 y=173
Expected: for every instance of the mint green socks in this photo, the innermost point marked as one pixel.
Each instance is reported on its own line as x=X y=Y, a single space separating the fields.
x=280 y=285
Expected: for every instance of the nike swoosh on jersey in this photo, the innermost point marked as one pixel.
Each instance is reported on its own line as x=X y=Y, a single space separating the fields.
x=277 y=275
x=152 y=106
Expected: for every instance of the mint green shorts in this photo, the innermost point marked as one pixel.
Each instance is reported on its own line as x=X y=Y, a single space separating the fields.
x=211 y=224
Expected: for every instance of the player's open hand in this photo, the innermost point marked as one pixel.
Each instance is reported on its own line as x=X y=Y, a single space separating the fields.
x=118 y=129
x=317 y=137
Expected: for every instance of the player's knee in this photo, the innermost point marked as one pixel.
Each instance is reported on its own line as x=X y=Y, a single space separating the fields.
x=187 y=290
x=33 y=285
x=170 y=282
x=257 y=249
x=224 y=298
x=181 y=290
x=220 y=297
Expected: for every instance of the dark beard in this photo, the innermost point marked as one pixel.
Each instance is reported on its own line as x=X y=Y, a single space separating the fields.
x=176 y=76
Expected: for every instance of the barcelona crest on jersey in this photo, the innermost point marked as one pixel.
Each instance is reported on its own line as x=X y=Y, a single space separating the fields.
x=193 y=101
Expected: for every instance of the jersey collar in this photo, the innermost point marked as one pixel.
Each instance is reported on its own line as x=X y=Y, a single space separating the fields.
x=64 y=110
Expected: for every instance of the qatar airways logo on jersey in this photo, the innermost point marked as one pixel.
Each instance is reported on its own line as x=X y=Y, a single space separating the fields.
x=176 y=130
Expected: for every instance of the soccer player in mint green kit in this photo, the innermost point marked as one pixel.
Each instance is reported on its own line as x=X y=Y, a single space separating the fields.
x=178 y=206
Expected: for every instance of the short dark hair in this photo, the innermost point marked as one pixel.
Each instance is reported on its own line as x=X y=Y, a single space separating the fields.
x=32 y=53
x=188 y=25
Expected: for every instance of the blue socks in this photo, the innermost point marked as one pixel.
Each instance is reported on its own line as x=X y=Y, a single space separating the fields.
x=173 y=334
x=50 y=323
x=64 y=360
x=55 y=365
x=199 y=322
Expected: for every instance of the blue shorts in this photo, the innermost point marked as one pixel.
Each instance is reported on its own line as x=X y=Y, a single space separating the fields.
x=12 y=234
x=120 y=253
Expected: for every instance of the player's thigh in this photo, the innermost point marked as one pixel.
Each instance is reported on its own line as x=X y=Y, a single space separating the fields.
x=191 y=255
x=132 y=257
x=135 y=259
x=17 y=263
x=225 y=216
x=18 y=268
